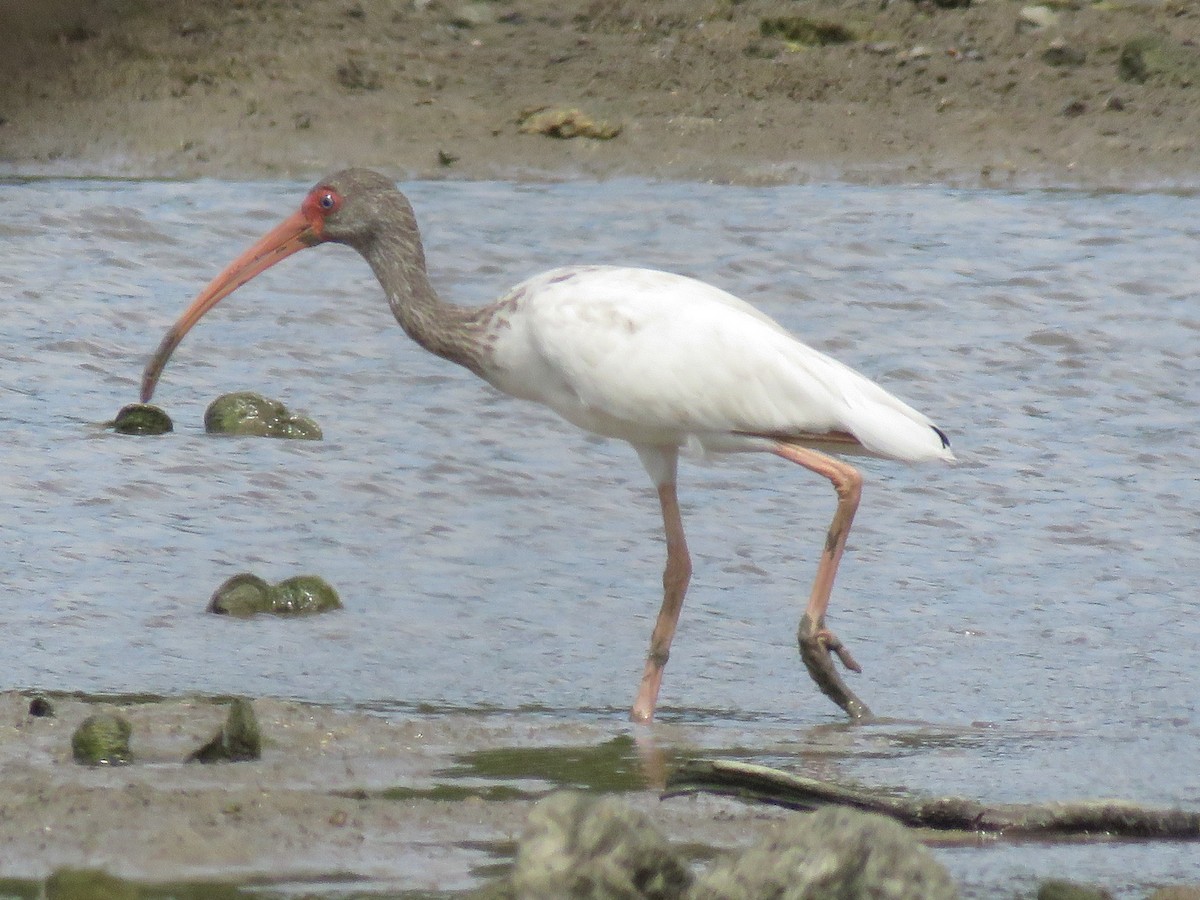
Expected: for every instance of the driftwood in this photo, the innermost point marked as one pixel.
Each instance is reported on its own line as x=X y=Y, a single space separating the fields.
x=1095 y=818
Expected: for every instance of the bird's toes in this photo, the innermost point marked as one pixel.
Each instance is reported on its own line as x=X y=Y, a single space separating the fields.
x=815 y=633
x=833 y=644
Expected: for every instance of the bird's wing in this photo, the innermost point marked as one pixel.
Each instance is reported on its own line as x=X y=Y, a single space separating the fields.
x=664 y=352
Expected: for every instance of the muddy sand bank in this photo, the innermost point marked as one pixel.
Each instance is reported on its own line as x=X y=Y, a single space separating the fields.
x=1006 y=92
x=396 y=803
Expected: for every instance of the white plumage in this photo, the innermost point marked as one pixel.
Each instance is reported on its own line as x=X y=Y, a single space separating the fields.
x=661 y=359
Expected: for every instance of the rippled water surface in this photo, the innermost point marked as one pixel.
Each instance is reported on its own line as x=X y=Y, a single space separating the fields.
x=1030 y=613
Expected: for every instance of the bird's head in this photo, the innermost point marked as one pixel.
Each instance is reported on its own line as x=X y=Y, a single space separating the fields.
x=355 y=207
x=350 y=207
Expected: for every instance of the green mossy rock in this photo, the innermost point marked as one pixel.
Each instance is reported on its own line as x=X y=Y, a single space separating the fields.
x=305 y=595
x=243 y=595
x=248 y=413
x=102 y=740
x=238 y=740
x=246 y=595
x=141 y=418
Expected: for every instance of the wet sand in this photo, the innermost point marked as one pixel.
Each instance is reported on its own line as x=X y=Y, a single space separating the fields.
x=434 y=802
x=1000 y=92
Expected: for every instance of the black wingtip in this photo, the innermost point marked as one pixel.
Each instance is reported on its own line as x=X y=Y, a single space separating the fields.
x=941 y=434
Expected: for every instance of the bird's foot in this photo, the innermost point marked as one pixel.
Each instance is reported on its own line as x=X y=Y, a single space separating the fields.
x=833 y=644
x=816 y=643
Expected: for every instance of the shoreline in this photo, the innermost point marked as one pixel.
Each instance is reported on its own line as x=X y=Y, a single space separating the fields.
x=1000 y=93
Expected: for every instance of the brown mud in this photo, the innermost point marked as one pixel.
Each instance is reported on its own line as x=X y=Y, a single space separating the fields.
x=1007 y=92
x=428 y=802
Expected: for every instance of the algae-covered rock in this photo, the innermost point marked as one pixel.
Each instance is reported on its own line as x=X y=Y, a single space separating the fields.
x=242 y=595
x=102 y=739
x=304 y=595
x=141 y=418
x=89 y=884
x=246 y=595
x=834 y=852
x=239 y=739
x=248 y=413
x=580 y=846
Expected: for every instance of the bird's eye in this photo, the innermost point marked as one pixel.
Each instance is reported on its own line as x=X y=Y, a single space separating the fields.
x=319 y=204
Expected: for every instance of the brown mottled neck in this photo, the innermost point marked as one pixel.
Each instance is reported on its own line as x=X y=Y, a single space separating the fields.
x=397 y=258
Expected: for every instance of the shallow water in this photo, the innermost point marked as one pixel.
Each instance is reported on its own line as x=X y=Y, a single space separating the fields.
x=1028 y=615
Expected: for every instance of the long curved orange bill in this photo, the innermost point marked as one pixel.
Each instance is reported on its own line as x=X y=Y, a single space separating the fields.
x=292 y=235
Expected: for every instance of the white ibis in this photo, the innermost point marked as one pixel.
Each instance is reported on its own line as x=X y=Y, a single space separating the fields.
x=652 y=358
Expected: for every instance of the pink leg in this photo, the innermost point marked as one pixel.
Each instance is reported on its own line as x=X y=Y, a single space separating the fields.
x=675 y=582
x=815 y=639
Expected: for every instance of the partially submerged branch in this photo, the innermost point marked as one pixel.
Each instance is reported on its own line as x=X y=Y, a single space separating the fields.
x=1110 y=818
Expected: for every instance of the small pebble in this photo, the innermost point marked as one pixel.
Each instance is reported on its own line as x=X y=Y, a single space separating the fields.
x=1033 y=17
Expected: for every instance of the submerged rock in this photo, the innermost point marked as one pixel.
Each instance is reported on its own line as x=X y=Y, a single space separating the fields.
x=834 y=852
x=102 y=740
x=576 y=846
x=242 y=595
x=141 y=418
x=248 y=413
x=239 y=739
x=303 y=595
x=246 y=595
